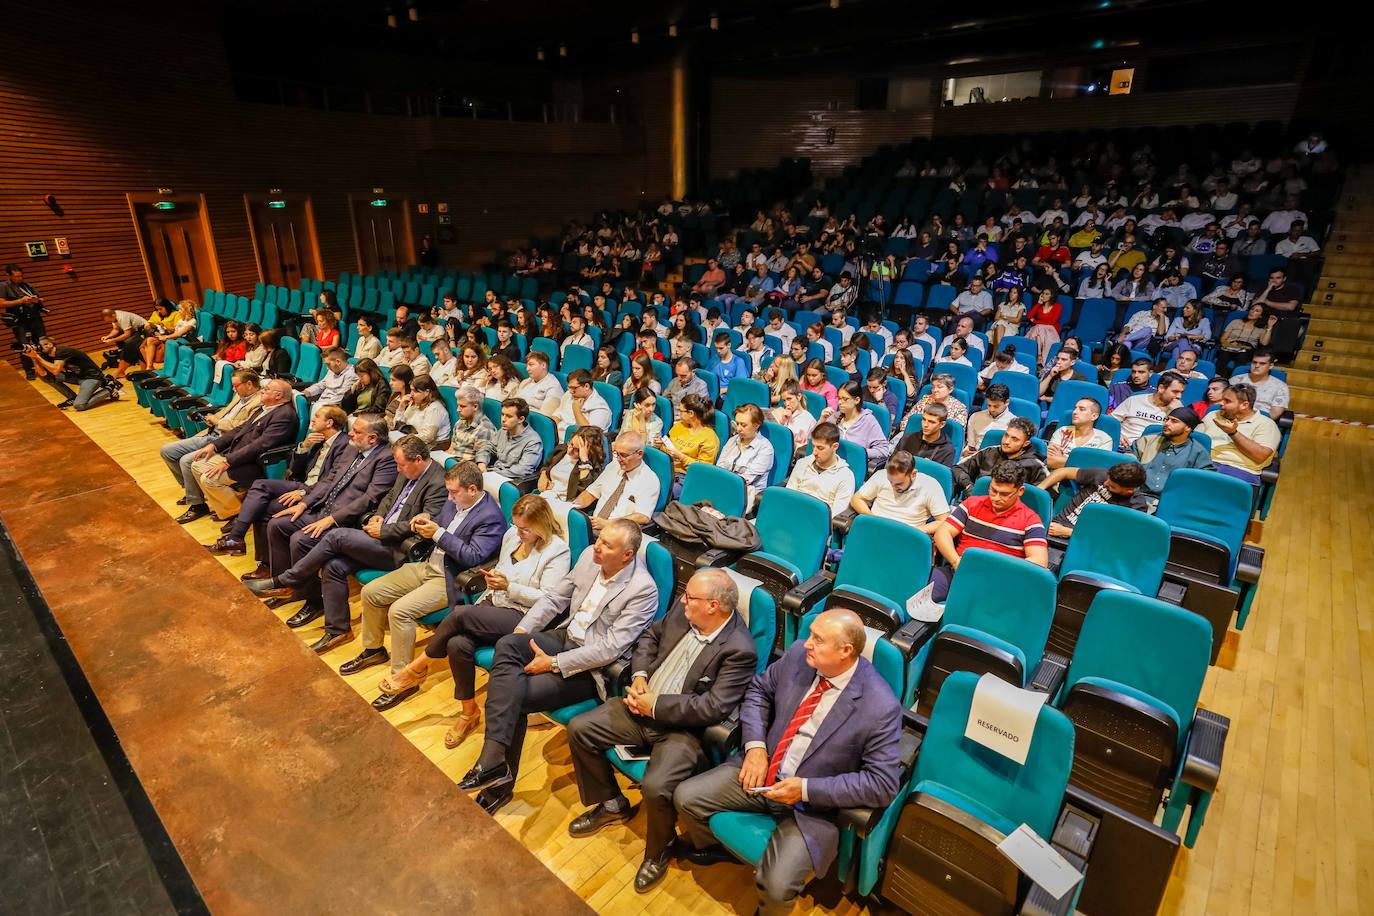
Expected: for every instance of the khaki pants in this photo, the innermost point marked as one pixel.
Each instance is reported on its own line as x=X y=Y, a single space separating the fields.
x=398 y=600
x=224 y=501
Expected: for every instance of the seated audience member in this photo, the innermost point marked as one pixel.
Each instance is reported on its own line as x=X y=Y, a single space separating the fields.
x=444 y=368
x=1118 y=485
x=371 y=392
x=1015 y=448
x=1161 y=453
x=320 y=577
x=393 y=355
x=748 y=453
x=690 y=671
x=57 y=365
x=581 y=405
x=1142 y=410
x=901 y=493
x=804 y=785
x=1185 y=364
x=857 y=424
x=1064 y=368
x=357 y=480
x=999 y=521
x=316 y=457
x=338 y=380
x=1138 y=382
x=412 y=357
x=1079 y=432
x=823 y=473
x=178 y=455
x=996 y=414
x=610 y=598
x=793 y=414
x=627 y=488
x=641 y=415
x=1244 y=441
x=572 y=467
x=942 y=393
x=541 y=390
x=517 y=449
x=422 y=413
x=228 y=466
x=726 y=364
x=466 y=533
x=532 y=560
x=693 y=438
x=932 y=440
x=876 y=391
x=1271 y=392
x=755 y=352
x=963 y=330
x=473 y=437
x=814 y=379
x=684 y=382
x=577 y=335
x=506 y=344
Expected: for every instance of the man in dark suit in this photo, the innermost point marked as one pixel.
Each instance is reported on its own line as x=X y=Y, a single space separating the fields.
x=383 y=542
x=821 y=732
x=227 y=467
x=314 y=458
x=467 y=533
x=358 y=481
x=610 y=598
x=690 y=671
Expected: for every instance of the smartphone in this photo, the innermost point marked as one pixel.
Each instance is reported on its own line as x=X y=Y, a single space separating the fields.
x=759 y=789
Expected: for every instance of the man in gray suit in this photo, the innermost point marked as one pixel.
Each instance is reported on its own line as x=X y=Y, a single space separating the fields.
x=821 y=732
x=383 y=542
x=690 y=671
x=610 y=598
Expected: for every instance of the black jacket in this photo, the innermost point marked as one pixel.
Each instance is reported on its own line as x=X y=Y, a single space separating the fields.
x=716 y=680
x=427 y=496
x=983 y=461
x=243 y=446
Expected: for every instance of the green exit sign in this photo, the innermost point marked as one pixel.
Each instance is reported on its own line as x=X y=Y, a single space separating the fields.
x=165 y=205
x=277 y=204
x=378 y=202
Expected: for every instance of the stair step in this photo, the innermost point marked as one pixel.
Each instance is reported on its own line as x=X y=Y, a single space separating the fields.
x=1342 y=262
x=1337 y=383
x=1345 y=271
x=1343 y=363
x=1336 y=248
x=1336 y=345
x=1333 y=404
x=1351 y=311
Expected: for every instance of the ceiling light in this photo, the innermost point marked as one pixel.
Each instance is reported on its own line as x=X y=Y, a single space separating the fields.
x=413 y=14
x=562 y=50
x=390 y=19
x=539 y=54
x=672 y=30
x=834 y=4
x=715 y=23
x=634 y=36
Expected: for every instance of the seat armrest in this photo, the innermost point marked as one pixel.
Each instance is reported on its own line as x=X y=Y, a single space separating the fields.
x=618 y=676
x=912 y=635
x=166 y=394
x=1285 y=420
x=189 y=402
x=908 y=749
x=1206 y=745
x=1049 y=675
x=273 y=455
x=1270 y=475
x=1086 y=578
x=1250 y=564
x=800 y=599
x=470 y=581
x=723 y=738
x=913 y=721
x=526 y=485
x=860 y=820
x=841 y=523
x=1039 y=902
x=200 y=345
x=716 y=557
x=1172 y=592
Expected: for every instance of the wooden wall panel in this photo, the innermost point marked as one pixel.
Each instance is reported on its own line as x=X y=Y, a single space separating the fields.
x=131 y=109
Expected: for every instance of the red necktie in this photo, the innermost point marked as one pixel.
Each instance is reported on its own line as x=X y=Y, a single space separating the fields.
x=799 y=718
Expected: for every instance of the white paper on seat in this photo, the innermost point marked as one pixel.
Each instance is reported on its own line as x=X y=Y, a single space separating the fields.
x=644 y=541
x=871 y=637
x=1040 y=861
x=746 y=588
x=491 y=483
x=1002 y=717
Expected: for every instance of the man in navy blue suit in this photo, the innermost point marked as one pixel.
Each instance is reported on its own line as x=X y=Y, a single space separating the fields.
x=821 y=732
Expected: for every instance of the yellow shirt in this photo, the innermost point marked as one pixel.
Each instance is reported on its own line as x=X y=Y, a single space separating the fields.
x=169 y=323
x=699 y=444
x=1257 y=426
x=1083 y=238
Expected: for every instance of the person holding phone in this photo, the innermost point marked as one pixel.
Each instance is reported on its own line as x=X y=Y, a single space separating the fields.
x=23 y=313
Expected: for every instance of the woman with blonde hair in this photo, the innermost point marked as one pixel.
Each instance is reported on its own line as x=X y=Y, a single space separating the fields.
x=183 y=329
x=778 y=373
x=533 y=558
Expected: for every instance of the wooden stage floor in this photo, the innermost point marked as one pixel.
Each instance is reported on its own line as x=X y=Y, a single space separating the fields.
x=1291 y=829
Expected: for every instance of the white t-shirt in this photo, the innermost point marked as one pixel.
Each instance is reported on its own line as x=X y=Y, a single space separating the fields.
x=539 y=393
x=833 y=486
x=1137 y=412
x=595 y=409
x=922 y=501
x=1268 y=393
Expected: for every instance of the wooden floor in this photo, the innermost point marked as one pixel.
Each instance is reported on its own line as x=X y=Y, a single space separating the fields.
x=1291 y=829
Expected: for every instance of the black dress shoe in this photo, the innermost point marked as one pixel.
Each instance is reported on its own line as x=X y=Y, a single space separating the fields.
x=31 y=376
x=273 y=603
x=392 y=700
x=590 y=822
x=193 y=512
x=268 y=588
x=494 y=799
x=480 y=777
x=366 y=659
x=261 y=571
x=227 y=547
x=63 y=405
x=651 y=871
x=331 y=641
x=228 y=526
x=711 y=855
x=308 y=614
x=184 y=501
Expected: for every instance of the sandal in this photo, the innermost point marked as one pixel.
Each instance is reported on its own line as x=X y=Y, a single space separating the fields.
x=461 y=728
x=400 y=682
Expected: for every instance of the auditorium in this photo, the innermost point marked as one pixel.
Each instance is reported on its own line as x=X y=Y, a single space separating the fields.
x=902 y=444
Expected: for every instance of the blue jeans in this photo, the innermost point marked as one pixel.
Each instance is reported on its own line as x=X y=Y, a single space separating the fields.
x=89 y=390
x=178 y=457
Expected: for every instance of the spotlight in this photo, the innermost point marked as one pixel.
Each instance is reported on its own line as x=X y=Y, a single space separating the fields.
x=539 y=54
x=834 y=4
x=672 y=30
x=562 y=50
x=390 y=19
x=413 y=14
x=715 y=23
x=634 y=36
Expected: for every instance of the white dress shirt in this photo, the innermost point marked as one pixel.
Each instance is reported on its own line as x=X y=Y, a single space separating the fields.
x=671 y=676
x=796 y=751
x=436 y=558
x=921 y=502
x=640 y=496
x=594 y=408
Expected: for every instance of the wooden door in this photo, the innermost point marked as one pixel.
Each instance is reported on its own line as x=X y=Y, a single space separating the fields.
x=283 y=239
x=382 y=234
x=177 y=248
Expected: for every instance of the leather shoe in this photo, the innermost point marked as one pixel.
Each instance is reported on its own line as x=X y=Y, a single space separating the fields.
x=711 y=855
x=184 y=501
x=260 y=572
x=391 y=700
x=228 y=525
x=193 y=512
x=268 y=588
x=366 y=659
x=331 y=641
x=308 y=614
x=480 y=777
x=589 y=822
x=651 y=871
x=227 y=547
x=494 y=799
x=273 y=603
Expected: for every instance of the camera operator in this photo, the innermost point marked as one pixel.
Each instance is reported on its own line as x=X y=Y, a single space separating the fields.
x=23 y=313
x=60 y=365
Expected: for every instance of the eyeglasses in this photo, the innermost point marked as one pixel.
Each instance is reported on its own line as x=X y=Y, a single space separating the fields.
x=626 y=456
x=690 y=597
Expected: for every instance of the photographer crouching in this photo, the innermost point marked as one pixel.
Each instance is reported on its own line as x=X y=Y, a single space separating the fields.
x=60 y=365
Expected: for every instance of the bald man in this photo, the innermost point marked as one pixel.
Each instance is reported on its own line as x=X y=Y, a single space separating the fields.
x=821 y=733
x=690 y=671
x=610 y=598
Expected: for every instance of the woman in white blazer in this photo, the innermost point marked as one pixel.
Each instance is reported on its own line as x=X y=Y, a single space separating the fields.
x=533 y=557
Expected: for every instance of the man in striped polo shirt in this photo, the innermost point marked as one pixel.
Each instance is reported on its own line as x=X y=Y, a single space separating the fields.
x=998 y=521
